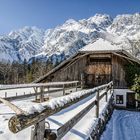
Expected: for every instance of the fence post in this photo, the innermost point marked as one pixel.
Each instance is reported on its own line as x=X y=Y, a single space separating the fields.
x=97 y=104
x=106 y=99
x=112 y=89
x=48 y=88
x=63 y=89
x=35 y=89
x=38 y=130
x=76 y=86
x=5 y=94
x=41 y=94
x=82 y=81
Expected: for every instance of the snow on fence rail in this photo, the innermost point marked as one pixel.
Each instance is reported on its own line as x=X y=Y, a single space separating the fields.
x=39 y=89
x=101 y=122
x=50 y=84
x=22 y=121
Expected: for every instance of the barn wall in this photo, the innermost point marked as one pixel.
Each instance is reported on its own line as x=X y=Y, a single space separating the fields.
x=98 y=70
x=70 y=72
x=118 y=73
x=95 y=73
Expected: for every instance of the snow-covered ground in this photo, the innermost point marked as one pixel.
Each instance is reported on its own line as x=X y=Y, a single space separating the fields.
x=5 y=114
x=13 y=92
x=77 y=132
x=124 y=125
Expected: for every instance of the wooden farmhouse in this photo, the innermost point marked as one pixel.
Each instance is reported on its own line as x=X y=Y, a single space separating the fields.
x=95 y=64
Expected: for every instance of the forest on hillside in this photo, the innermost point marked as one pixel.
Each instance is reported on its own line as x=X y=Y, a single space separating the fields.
x=15 y=73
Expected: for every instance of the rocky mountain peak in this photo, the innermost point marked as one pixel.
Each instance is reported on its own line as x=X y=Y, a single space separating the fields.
x=65 y=40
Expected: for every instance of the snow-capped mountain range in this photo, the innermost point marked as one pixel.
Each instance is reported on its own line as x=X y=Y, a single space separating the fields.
x=65 y=40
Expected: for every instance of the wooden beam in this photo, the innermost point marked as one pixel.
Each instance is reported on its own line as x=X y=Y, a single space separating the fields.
x=126 y=57
x=101 y=96
x=97 y=104
x=63 y=89
x=45 y=85
x=82 y=80
x=42 y=94
x=16 y=109
x=38 y=130
x=5 y=94
x=75 y=60
x=106 y=97
x=29 y=95
x=35 y=89
x=76 y=86
x=106 y=92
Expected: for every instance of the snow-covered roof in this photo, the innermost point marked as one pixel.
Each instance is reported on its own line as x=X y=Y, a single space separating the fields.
x=100 y=45
x=122 y=91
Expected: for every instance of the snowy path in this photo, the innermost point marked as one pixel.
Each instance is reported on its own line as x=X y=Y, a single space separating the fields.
x=124 y=125
x=63 y=116
x=82 y=129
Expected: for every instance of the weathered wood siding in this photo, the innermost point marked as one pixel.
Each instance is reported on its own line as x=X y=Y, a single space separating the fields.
x=118 y=73
x=97 y=69
x=69 y=72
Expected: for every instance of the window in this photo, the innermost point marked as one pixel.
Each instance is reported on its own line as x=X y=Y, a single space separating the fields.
x=119 y=99
x=100 y=60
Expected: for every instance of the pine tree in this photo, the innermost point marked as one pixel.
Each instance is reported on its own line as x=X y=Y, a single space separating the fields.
x=136 y=86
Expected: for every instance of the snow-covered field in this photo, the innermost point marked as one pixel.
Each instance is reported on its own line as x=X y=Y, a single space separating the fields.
x=5 y=114
x=12 y=92
x=124 y=125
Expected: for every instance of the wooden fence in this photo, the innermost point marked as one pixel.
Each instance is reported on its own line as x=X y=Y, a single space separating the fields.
x=101 y=122
x=39 y=89
x=39 y=132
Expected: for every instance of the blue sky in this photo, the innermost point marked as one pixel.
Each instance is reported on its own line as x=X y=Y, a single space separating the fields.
x=15 y=14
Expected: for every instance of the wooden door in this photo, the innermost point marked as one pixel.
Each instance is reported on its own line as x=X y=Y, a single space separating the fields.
x=101 y=79
x=90 y=80
x=131 y=102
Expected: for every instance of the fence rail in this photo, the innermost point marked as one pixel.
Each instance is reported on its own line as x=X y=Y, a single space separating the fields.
x=50 y=84
x=101 y=122
x=22 y=121
x=39 y=89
